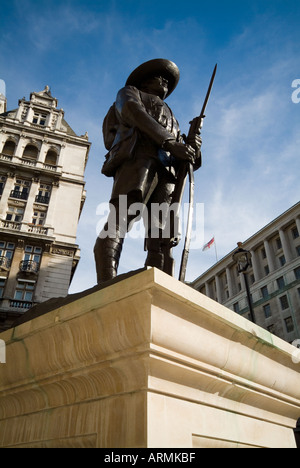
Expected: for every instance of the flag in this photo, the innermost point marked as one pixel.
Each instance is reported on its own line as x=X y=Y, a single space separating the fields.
x=208 y=245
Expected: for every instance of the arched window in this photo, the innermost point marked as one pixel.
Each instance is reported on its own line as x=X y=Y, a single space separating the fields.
x=30 y=152
x=51 y=158
x=9 y=148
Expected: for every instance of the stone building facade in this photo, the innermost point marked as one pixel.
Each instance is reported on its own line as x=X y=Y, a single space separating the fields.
x=42 y=164
x=273 y=277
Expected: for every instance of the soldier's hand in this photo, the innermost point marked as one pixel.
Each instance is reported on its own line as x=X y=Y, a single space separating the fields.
x=195 y=141
x=180 y=150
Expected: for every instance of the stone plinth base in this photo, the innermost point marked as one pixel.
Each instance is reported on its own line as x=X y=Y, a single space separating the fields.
x=146 y=362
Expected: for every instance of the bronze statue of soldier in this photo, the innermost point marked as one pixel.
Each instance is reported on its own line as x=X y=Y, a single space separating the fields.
x=146 y=149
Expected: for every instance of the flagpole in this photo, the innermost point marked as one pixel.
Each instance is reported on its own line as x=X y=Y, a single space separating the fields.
x=216 y=249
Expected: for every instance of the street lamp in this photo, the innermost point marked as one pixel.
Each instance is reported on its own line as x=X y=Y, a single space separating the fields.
x=242 y=257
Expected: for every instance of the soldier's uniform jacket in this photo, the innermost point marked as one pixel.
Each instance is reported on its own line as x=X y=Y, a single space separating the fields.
x=144 y=122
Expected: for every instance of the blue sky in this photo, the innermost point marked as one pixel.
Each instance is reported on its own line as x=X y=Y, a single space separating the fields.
x=85 y=50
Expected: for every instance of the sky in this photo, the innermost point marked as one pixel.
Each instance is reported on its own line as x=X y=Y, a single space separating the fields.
x=85 y=50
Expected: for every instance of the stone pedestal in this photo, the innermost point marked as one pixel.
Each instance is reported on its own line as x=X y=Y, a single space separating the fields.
x=146 y=362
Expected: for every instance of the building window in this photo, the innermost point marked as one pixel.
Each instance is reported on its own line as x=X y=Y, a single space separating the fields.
x=2 y=286
x=38 y=218
x=267 y=270
x=24 y=291
x=9 y=148
x=39 y=119
x=297 y=273
x=44 y=194
x=289 y=324
x=265 y=292
x=2 y=183
x=14 y=214
x=280 y=282
x=298 y=250
x=278 y=243
x=21 y=190
x=284 y=302
x=6 y=254
x=32 y=258
x=267 y=310
x=295 y=232
x=236 y=307
x=282 y=260
x=271 y=329
x=263 y=253
x=33 y=253
x=51 y=158
x=30 y=152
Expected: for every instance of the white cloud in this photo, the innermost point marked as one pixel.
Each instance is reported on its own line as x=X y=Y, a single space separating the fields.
x=48 y=26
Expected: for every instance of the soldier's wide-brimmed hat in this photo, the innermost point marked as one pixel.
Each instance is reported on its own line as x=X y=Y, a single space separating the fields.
x=155 y=67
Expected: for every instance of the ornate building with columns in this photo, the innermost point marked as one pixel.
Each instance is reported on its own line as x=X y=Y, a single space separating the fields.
x=273 y=277
x=42 y=164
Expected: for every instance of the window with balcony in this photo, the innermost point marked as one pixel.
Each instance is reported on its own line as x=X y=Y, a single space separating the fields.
x=43 y=195
x=21 y=189
x=32 y=258
x=6 y=254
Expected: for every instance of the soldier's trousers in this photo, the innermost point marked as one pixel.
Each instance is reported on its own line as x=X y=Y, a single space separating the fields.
x=149 y=184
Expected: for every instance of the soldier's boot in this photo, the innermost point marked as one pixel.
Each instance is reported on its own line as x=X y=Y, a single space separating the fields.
x=107 y=256
x=159 y=255
x=155 y=259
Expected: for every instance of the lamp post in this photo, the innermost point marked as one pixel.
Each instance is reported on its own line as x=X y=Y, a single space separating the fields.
x=242 y=258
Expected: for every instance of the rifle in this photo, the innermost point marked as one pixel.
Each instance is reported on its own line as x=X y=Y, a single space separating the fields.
x=187 y=169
